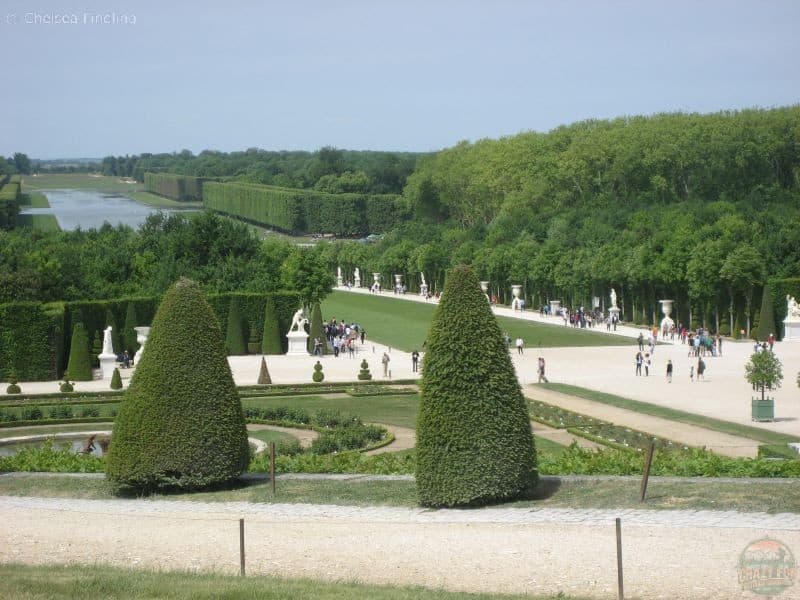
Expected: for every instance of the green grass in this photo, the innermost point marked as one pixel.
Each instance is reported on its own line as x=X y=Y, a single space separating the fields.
x=157 y=201
x=34 y=200
x=24 y=582
x=390 y=410
x=753 y=433
x=267 y=435
x=404 y=324
x=80 y=181
x=39 y=222
x=695 y=494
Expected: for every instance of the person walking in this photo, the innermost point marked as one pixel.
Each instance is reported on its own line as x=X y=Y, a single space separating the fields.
x=771 y=341
x=647 y=365
x=691 y=373
x=701 y=369
x=640 y=339
x=385 y=361
x=669 y=371
x=363 y=335
x=541 y=370
x=415 y=361
x=519 y=345
x=639 y=360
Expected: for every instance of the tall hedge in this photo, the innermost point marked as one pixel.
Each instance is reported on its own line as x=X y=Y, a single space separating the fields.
x=474 y=440
x=317 y=330
x=235 y=343
x=129 y=342
x=271 y=336
x=182 y=188
x=79 y=367
x=31 y=341
x=180 y=424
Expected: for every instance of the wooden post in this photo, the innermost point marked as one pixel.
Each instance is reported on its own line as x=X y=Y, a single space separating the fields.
x=648 y=461
x=620 y=590
x=272 y=466
x=241 y=547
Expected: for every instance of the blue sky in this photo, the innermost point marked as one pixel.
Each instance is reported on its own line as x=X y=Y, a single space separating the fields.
x=373 y=74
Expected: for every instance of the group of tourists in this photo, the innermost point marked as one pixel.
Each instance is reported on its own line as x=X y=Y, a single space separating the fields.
x=341 y=337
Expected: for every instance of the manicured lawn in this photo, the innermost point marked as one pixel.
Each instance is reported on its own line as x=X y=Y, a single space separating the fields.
x=80 y=181
x=404 y=324
x=67 y=582
x=40 y=222
x=613 y=492
x=753 y=433
x=390 y=410
x=34 y=200
x=267 y=435
x=157 y=201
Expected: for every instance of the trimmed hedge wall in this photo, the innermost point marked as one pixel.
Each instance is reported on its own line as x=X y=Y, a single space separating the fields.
x=9 y=204
x=304 y=211
x=182 y=188
x=35 y=337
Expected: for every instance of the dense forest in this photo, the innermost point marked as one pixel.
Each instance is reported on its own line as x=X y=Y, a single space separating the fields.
x=702 y=209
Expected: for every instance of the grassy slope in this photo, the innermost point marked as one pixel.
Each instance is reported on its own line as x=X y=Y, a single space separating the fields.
x=404 y=324
x=157 y=201
x=40 y=222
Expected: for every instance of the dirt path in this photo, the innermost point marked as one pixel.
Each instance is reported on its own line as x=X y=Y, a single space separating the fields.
x=674 y=554
x=404 y=439
x=691 y=435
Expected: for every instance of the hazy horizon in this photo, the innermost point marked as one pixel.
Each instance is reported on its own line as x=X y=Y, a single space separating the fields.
x=95 y=78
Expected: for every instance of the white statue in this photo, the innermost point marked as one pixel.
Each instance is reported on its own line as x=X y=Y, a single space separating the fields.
x=421 y=274
x=108 y=348
x=298 y=321
x=357 y=275
x=339 y=273
x=792 y=310
x=613 y=298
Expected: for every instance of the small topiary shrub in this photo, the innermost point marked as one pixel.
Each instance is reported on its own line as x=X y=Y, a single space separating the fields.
x=263 y=374
x=116 y=380
x=66 y=387
x=474 y=440
x=79 y=367
x=180 y=424
x=13 y=388
x=318 y=375
x=364 y=374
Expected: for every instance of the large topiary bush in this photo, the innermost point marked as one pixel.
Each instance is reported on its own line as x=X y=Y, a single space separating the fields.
x=234 y=338
x=271 y=338
x=79 y=366
x=474 y=440
x=766 y=316
x=180 y=424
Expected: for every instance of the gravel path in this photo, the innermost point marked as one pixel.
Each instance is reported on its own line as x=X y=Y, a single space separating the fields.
x=667 y=554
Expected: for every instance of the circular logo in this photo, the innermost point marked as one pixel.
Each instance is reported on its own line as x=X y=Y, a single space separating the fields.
x=767 y=567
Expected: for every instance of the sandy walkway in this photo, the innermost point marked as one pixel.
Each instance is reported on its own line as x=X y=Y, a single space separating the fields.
x=668 y=554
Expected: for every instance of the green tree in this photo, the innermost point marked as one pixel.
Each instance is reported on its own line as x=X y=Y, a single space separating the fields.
x=79 y=367
x=181 y=423
x=271 y=337
x=235 y=343
x=317 y=330
x=474 y=441
x=305 y=270
x=764 y=372
x=743 y=270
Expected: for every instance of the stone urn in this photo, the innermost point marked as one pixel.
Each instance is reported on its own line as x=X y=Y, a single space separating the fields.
x=142 y=333
x=666 y=323
x=516 y=302
x=485 y=290
x=376 y=282
x=398 y=283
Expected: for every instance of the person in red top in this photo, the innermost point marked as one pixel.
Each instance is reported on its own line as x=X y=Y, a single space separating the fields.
x=771 y=341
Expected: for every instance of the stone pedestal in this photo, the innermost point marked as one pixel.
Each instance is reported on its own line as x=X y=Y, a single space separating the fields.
x=298 y=343
x=555 y=306
x=791 y=330
x=357 y=281
x=108 y=362
x=339 y=281
x=613 y=312
x=423 y=290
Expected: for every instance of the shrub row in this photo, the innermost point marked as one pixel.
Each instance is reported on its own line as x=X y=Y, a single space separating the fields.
x=60 y=413
x=9 y=204
x=304 y=211
x=182 y=188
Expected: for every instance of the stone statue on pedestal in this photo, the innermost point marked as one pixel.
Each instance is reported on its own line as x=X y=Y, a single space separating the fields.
x=298 y=321
x=108 y=348
x=613 y=298
x=792 y=310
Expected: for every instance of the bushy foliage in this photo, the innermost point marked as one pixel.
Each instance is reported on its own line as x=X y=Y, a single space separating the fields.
x=116 y=380
x=30 y=340
x=66 y=387
x=474 y=441
x=181 y=423
x=318 y=375
x=177 y=187
x=234 y=336
x=764 y=371
x=79 y=367
x=263 y=373
x=271 y=338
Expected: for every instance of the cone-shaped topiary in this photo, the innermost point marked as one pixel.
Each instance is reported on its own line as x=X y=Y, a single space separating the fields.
x=129 y=342
x=116 y=380
x=474 y=441
x=234 y=337
x=180 y=423
x=79 y=366
x=766 y=316
x=318 y=375
x=116 y=340
x=271 y=338
x=317 y=330
x=364 y=374
x=263 y=373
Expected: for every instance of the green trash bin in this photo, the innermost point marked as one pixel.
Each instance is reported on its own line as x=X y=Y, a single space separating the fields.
x=763 y=410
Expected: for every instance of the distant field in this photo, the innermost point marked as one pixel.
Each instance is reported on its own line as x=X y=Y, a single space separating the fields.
x=40 y=222
x=34 y=200
x=404 y=324
x=78 y=181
